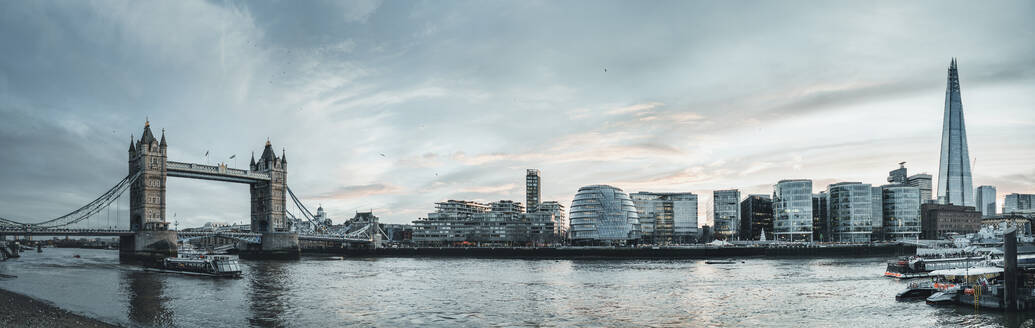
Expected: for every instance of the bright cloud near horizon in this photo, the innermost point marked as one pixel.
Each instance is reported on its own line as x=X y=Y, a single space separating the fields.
x=393 y=106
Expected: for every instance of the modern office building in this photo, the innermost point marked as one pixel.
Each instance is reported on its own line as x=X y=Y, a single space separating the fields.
x=602 y=214
x=674 y=215
x=533 y=189
x=984 y=198
x=1019 y=204
x=820 y=217
x=898 y=175
x=954 y=180
x=851 y=211
x=756 y=215
x=937 y=220
x=792 y=210
x=923 y=182
x=726 y=213
x=877 y=212
x=901 y=212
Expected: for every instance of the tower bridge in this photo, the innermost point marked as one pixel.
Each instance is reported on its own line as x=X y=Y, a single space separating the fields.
x=275 y=232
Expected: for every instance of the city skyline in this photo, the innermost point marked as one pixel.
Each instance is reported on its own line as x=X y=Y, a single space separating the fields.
x=368 y=126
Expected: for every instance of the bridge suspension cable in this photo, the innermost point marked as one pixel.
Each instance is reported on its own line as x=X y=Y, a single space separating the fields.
x=81 y=213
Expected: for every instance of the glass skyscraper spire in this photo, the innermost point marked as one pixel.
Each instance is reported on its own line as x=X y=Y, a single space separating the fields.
x=954 y=180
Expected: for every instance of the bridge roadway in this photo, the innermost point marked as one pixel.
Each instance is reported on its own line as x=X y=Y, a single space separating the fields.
x=180 y=234
x=214 y=172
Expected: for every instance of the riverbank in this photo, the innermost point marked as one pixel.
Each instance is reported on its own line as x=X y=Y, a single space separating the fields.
x=17 y=310
x=675 y=252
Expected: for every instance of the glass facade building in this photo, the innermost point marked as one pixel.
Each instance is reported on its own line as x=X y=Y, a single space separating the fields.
x=954 y=180
x=1019 y=204
x=602 y=214
x=851 y=211
x=901 y=212
x=756 y=215
x=792 y=210
x=820 y=217
x=674 y=215
x=726 y=213
x=984 y=197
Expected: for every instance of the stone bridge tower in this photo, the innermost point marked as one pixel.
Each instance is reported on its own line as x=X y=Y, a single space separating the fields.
x=268 y=198
x=147 y=194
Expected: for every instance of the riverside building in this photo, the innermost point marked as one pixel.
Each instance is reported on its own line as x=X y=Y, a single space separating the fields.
x=603 y=215
x=820 y=217
x=463 y=223
x=792 y=210
x=938 y=220
x=901 y=213
x=726 y=213
x=674 y=215
x=756 y=215
x=851 y=211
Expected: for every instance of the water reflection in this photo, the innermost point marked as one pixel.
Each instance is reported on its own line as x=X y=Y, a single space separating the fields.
x=267 y=282
x=146 y=301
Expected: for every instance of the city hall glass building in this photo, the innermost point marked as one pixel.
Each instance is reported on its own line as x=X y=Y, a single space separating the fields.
x=602 y=214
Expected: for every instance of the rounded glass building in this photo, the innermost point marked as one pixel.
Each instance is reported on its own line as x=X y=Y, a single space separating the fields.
x=602 y=214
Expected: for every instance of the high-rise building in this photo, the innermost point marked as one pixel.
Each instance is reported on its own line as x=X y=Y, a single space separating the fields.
x=984 y=198
x=533 y=190
x=901 y=212
x=851 y=211
x=674 y=214
x=792 y=210
x=726 y=213
x=756 y=215
x=954 y=181
x=898 y=175
x=1019 y=204
x=602 y=214
x=923 y=182
x=820 y=217
x=548 y=225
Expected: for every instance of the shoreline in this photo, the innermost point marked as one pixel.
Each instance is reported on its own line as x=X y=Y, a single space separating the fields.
x=826 y=251
x=25 y=311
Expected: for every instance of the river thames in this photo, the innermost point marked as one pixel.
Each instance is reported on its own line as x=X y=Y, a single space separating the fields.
x=332 y=291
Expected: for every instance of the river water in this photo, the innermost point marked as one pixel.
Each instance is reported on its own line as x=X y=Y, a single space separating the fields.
x=407 y=292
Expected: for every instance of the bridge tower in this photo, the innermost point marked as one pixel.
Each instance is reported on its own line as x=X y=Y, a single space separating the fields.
x=152 y=238
x=269 y=197
x=268 y=210
x=147 y=194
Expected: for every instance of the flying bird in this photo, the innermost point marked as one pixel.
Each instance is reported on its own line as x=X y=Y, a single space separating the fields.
x=605 y=69
x=382 y=154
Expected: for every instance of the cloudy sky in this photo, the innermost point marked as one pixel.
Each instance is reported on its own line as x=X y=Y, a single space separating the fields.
x=393 y=106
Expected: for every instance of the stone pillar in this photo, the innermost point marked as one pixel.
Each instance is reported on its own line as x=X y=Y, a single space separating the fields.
x=1010 y=269
x=274 y=245
x=147 y=246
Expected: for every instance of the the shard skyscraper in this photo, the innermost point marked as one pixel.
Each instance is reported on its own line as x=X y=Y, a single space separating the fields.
x=954 y=181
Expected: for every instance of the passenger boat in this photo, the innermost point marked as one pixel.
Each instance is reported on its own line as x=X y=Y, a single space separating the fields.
x=918 y=267
x=923 y=289
x=201 y=265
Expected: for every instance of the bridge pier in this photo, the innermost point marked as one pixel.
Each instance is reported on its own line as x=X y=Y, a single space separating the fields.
x=147 y=246
x=274 y=245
